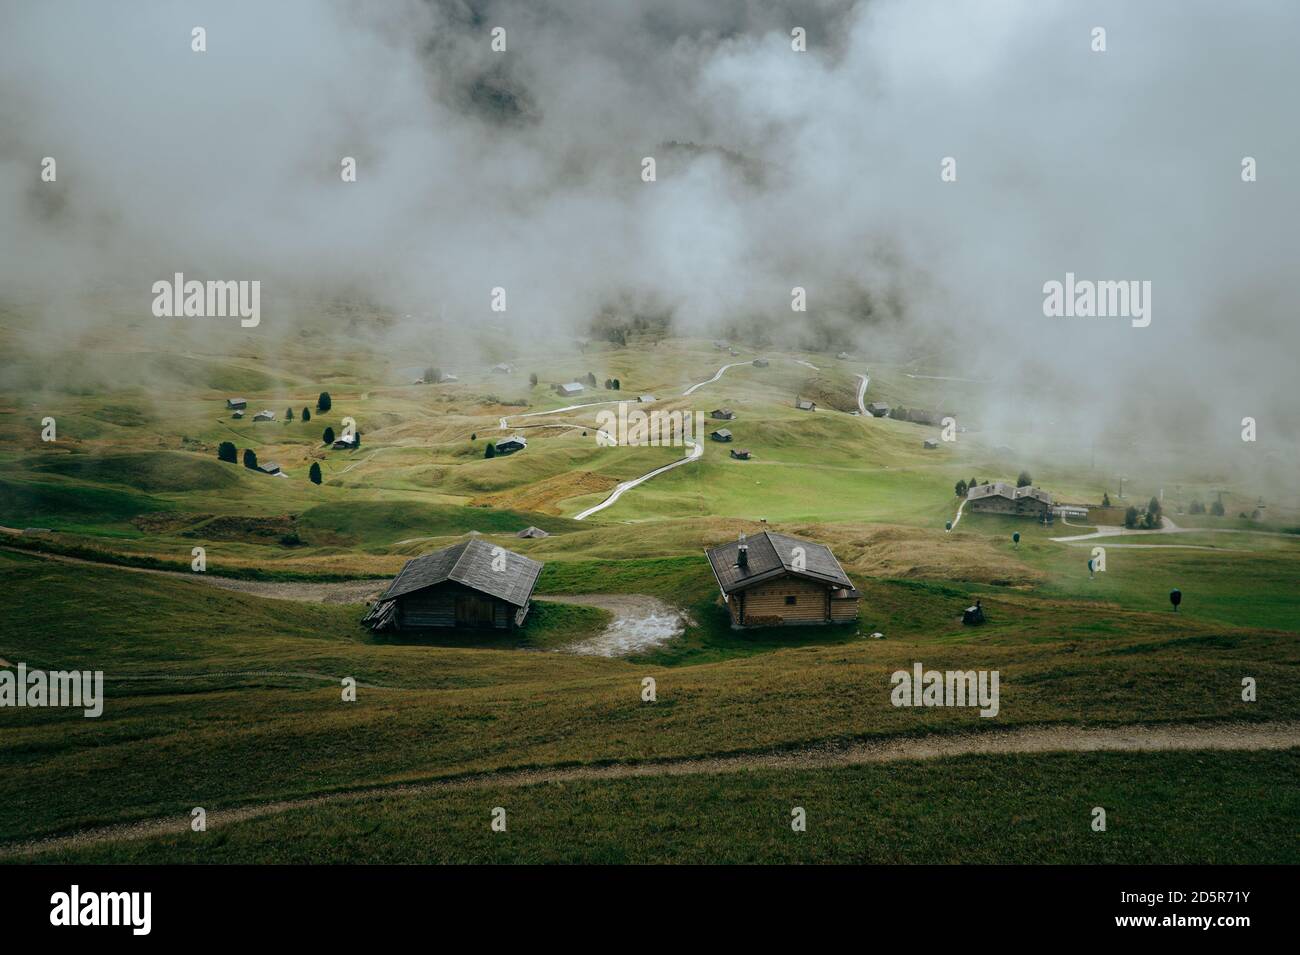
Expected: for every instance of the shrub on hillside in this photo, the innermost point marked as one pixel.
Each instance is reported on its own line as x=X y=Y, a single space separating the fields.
x=226 y=451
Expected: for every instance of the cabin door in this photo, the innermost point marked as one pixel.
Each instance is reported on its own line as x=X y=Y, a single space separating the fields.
x=474 y=611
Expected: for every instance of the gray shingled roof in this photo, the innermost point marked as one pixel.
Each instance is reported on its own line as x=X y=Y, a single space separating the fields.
x=470 y=564
x=772 y=555
x=1002 y=489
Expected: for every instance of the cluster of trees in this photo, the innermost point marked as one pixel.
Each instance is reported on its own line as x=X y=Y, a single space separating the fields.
x=1151 y=520
x=613 y=384
x=227 y=452
x=961 y=487
x=1196 y=507
x=1024 y=479
x=432 y=375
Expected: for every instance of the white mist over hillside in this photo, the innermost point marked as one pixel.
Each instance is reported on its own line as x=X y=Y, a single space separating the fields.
x=820 y=169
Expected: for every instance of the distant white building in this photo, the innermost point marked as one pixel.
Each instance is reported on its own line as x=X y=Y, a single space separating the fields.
x=569 y=389
x=264 y=416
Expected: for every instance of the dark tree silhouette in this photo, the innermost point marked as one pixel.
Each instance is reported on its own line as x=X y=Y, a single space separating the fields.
x=250 y=458
x=323 y=403
x=1024 y=480
x=288 y=414
x=490 y=451
x=314 y=473
x=226 y=452
x=306 y=414
x=329 y=436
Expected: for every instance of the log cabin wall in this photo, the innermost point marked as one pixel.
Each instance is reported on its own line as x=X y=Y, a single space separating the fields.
x=768 y=604
x=436 y=607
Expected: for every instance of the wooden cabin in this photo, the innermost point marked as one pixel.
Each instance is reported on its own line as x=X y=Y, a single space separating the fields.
x=474 y=585
x=722 y=414
x=774 y=580
x=740 y=454
x=722 y=434
x=236 y=404
x=1002 y=498
x=803 y=404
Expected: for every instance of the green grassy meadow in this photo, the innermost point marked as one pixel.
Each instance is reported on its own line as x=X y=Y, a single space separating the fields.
x=223 y=698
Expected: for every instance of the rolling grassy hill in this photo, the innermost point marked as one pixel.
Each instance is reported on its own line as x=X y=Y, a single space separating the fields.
x=223 y=698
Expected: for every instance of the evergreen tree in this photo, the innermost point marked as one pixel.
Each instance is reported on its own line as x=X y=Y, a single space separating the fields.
x=323 y=403
x=306 y=414
x=288 y=414
x=1024 y=480
x=314 y=473
x=490 y=451
x=226 y=452
x=250 y=458
x=329 y=436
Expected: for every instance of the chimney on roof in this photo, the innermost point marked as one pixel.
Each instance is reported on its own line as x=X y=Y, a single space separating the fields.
x=742 y=553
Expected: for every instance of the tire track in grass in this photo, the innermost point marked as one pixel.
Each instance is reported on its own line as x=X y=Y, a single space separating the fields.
x=1021 y=740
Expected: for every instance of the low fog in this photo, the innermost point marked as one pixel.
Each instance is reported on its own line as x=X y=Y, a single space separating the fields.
x=775 y=168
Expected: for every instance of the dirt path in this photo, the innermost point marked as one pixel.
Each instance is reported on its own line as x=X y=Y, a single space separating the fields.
x=1031 y=739
x=696 y=449
x=339 y=592
x=641 y=623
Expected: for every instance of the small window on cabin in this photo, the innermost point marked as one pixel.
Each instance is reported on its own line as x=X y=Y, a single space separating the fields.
x=790 y=601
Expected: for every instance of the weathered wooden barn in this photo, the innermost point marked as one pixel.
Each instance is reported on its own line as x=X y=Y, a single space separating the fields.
x=773 y=580
x=475 y=585
x=722 y=434
x=236 y=404
x=722 y=414
x=803 y=404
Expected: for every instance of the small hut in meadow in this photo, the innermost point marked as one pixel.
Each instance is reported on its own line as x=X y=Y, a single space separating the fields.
x=474 y=585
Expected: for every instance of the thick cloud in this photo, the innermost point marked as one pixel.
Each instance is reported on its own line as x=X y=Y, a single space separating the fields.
x=775 y=168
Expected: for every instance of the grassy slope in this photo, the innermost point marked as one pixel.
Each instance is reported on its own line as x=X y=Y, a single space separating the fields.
x=168 y=744
x=1161 y=808
x=141 y=479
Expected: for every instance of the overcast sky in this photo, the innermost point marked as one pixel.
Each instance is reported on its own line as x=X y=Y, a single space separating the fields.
x=820 y=169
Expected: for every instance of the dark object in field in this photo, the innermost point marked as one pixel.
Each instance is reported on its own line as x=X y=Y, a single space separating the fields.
x=511 y=445
x=226 y=452
x=323 y=403
x=475 y=584
x=773 y=579
x=929 y=444
x=250 y=459
x=878 y=409
x=722 y=414
x=740 y=454
x=1002 y=498
x=973 y=616
x=760 y=362
x=314 y=474
x=722 y=434
x=236 y=404
x=1175 y=598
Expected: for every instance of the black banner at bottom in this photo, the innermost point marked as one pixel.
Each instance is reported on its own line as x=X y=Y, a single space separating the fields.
x=214 y=904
